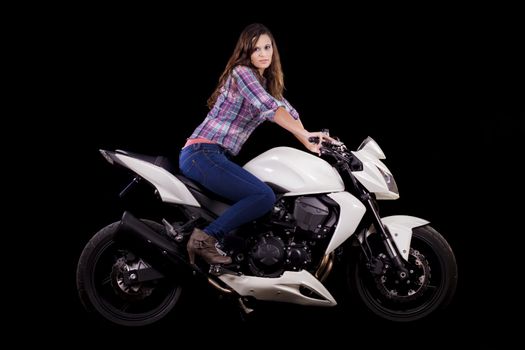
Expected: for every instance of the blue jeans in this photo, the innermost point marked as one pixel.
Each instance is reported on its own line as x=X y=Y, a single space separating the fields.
x=209 y=165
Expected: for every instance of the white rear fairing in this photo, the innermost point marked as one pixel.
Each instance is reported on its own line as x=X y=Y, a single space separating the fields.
x=352 y=211
x=171 y=189
x=284 y=288
x=296 y=171
x=401 y=226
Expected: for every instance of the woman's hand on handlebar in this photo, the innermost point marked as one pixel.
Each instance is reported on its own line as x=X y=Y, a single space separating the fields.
x=315 y=141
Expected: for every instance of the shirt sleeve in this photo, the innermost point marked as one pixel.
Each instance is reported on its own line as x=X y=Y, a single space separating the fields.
x=290 y=109
x=251 y=89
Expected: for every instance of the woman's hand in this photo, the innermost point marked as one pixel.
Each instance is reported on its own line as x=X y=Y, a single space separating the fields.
x=316 y=147
x=286 y=121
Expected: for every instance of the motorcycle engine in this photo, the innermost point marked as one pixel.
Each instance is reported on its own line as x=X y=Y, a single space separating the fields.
x=311 y=215
x=302 y=223
x=270 y=256
x=267 y=256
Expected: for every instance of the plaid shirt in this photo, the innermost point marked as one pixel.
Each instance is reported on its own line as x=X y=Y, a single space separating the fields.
x=243 y=104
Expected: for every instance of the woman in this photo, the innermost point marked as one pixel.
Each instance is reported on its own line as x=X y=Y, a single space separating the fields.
x=250 y=91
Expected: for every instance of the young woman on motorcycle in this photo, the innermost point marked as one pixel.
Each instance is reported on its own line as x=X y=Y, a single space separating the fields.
x=250 y=91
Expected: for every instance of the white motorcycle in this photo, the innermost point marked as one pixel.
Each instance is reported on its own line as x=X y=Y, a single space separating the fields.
x=132 y=272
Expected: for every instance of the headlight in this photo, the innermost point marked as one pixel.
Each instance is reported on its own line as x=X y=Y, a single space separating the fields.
x=390 y=182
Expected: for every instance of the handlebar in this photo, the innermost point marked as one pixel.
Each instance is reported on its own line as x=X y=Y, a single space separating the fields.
x=315 y=139
x=338 y=151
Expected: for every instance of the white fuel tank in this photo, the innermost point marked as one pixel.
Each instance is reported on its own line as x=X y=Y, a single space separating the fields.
x=297 y=171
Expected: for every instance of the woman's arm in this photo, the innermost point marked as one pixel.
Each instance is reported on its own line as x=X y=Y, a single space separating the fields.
x=251 y=89
x=286 y=121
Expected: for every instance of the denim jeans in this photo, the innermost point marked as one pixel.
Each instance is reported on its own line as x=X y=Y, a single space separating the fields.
x=209 y=165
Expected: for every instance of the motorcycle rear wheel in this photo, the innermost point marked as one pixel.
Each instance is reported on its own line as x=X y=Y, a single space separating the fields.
x=102 y=292
x=427 y=245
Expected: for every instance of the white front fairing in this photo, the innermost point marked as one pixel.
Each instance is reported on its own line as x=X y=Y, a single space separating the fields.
x=375 y=176
x=296 y=171
x=352 y=211
x=171 y=189
x=285 y=288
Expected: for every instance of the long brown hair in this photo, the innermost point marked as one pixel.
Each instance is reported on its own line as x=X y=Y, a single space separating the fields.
x=242 y=56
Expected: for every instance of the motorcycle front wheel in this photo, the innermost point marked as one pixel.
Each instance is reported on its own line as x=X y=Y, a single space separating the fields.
x=101 y=286
x=430 y=286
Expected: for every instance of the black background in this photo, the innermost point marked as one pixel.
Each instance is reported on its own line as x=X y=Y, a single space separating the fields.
x=441 y=93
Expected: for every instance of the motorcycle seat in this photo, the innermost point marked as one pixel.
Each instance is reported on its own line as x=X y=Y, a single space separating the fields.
x=162 y=161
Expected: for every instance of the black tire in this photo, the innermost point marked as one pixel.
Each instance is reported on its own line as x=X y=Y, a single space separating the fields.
x=103 y=298
x=440 y=278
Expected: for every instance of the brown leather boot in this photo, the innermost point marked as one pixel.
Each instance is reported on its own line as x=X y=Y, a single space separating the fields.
x=200 y=243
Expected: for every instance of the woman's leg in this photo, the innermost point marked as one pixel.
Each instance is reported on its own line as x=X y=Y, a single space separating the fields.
x=209 y=166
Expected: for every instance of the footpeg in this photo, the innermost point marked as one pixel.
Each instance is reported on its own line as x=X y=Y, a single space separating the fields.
x=217 y=270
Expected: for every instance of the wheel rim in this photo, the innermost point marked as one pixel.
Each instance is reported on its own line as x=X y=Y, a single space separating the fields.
x=149 y=301
x=423 y=296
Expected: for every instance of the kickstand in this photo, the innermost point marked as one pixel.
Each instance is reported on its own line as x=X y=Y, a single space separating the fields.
x=245 y=309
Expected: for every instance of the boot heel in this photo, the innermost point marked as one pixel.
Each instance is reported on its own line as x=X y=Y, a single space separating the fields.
x=191 y=255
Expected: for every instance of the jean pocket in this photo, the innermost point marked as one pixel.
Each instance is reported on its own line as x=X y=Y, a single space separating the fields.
x=185 y=161
x=195 y=172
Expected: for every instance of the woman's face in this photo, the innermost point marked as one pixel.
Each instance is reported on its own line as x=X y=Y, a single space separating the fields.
x=262 y=53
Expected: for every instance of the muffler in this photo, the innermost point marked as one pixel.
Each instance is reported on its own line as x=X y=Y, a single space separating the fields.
x=165 y=256
x=152 y=246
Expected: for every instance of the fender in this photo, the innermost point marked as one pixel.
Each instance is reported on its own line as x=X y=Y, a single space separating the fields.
x=400 y=226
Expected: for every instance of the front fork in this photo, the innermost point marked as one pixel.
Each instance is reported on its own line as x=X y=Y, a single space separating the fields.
x=386 y=237
x=391 y=249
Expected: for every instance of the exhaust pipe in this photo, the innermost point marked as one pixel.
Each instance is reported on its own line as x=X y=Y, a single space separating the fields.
x=164 y=255
x=155 y=248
